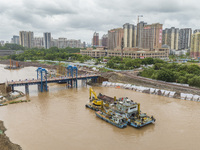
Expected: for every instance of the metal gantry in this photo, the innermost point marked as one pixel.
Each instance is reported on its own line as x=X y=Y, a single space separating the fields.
x=73 y=73
x=42 y=75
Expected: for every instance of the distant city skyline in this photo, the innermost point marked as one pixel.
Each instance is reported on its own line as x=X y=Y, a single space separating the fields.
x=77 y=19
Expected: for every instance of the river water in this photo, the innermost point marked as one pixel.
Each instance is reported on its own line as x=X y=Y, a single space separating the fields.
x=58 y=120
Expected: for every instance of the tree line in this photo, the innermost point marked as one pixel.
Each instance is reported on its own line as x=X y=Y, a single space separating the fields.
x=52 y=53
x=159 y=69
x=128 y=63
x=10 y=46
x=173 y=72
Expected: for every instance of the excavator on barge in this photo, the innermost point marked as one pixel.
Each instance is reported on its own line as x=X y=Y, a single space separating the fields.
x=94 y=103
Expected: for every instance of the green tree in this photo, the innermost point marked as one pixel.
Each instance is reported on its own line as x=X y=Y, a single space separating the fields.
x=148 y=60
x=182 y=79
x=195 y=81
x=165 y=75
x=110 y=64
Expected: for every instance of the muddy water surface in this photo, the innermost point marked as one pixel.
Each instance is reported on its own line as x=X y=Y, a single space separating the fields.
x=58 y=120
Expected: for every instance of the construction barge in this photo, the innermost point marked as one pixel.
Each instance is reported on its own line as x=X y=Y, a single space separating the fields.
x=119 y=112
x=96 y=101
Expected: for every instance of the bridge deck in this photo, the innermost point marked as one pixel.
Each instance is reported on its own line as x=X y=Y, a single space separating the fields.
x=50 y=80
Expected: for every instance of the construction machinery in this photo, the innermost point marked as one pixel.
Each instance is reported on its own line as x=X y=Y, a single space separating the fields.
x=94 y=103
x=94 y=99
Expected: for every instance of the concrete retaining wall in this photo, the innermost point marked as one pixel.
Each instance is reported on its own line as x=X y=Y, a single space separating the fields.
x=166 y=93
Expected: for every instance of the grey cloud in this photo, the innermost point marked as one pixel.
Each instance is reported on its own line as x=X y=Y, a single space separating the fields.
x=66 y=17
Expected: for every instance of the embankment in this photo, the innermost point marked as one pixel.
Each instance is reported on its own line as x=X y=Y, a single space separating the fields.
x=5 y=143
x=130 y=78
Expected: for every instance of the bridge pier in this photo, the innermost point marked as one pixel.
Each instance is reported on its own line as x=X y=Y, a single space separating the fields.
x=84 y=82
x=76 y=83
x=68 y=83
x=12 y=88
x=71 y=82
x=42 y=87
x=45 y=87
x=26 y=89
x=94 y=80
x=39 y=87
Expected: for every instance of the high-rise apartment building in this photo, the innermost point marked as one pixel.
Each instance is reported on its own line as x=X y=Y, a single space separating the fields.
x=84 y=45
x=38 y=42
x=74 y=43
x=115 y=39
x=54 y=42
x=184 y=38
x=195 y=44
x=47 y=40
x=100 y=42
x=15 y=39
x=129 y=35
x=62 y=42
x=95 y=39
x=2 y=43
x=152 y=36
x=170 y=37
x=140 y=27
x=104 y=40
x=26 y=39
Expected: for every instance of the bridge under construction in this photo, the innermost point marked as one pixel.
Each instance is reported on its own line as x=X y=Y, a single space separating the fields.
x=71 y=79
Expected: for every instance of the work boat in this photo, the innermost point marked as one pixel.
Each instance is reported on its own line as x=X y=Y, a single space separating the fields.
x=131 y=110
x=114 y=119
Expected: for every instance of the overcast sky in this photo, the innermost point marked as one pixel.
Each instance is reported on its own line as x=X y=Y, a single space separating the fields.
x=79 y=19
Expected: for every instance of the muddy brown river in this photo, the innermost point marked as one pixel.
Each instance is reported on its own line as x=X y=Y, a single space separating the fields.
x=58 y=120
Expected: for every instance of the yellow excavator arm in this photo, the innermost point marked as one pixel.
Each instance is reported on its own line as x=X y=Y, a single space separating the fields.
x=92 y=92
x=95 y=101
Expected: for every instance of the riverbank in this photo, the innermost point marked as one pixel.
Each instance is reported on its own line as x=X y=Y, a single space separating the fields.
x=132 y=78
x=28 y=64
x=43 y=65
x=5 y=143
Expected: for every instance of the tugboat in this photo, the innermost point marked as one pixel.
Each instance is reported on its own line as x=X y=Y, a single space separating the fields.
x=111 y=117
x=114 y=119
x=141 y=121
